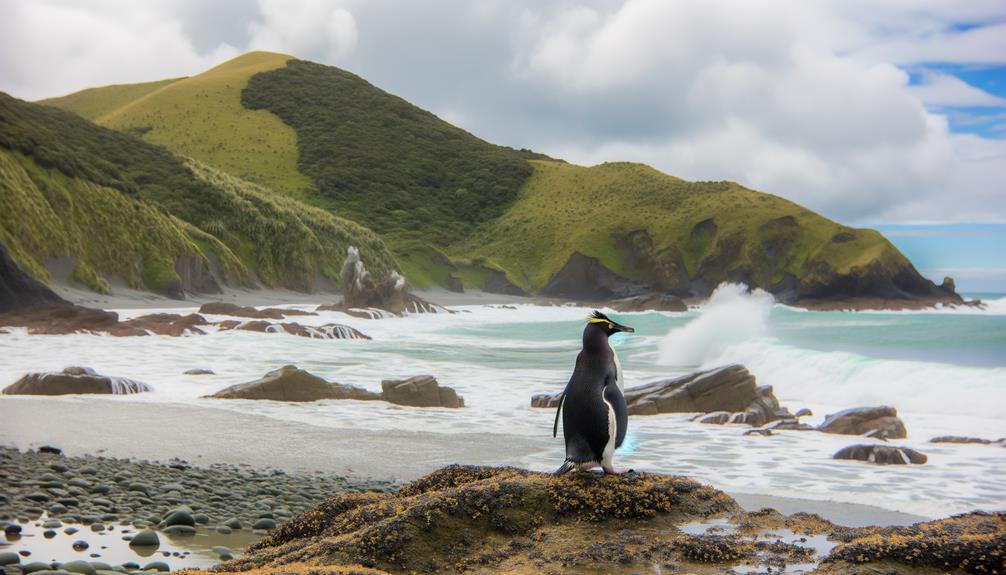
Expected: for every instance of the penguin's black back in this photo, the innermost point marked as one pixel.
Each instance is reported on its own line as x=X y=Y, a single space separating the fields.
x=584 y=413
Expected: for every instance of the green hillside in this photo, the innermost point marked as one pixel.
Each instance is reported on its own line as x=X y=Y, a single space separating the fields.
x=202 y=117
x=93 y=103
x=454 y=208
x=661 y=230
x=119 y=206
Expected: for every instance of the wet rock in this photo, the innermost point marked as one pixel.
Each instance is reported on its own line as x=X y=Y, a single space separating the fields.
x=803 y=412
x=327 y=331
x=74 y=380
x=731 y=389
x=50 y=449
x=881 y=454
x=179 y=530
x=83 y=567
x=264 y=523
x=157 y=566
x=715 y=418
x=220 y=308
x=9 y=558
x=35 y=566
x=180 y=517
x=169 y=324
x=420 y=391
x=80 y=545
x=963 y=439
x=289 y=383
x=60 y=319
x=881 y=422
x=199 y=371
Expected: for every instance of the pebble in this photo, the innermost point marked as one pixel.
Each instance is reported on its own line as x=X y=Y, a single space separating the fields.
x=78 y=567
x=9 y=558
x=156 y=566
x=80 y=545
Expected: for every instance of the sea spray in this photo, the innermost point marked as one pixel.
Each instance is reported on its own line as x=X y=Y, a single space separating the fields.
x=732 y=315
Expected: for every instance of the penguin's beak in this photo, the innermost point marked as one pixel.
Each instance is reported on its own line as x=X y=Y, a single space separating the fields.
x=625 y=328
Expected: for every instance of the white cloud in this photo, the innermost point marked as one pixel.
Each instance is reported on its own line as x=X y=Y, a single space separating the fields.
x=305 y=27
x=939 y=89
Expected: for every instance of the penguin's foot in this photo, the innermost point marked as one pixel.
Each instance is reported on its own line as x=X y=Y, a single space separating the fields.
x=616 y=470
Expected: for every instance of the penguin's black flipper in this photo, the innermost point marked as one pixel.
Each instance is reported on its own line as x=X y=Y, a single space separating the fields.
x=555 y=426
x=565 y=468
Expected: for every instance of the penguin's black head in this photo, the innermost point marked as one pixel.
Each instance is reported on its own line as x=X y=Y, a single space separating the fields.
x=600 y=321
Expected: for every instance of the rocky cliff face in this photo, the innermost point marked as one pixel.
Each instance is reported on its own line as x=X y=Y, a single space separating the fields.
x=18 y=290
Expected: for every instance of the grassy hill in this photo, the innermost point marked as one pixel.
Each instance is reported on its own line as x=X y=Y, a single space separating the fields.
x=202 y=117
x=453 y=207
x=121 y=207
x=657 y=229
x=93 y=103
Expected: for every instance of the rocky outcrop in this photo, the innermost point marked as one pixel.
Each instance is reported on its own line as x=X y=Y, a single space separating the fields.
x=290 y=383
x=74 y=380
x=326 y=331
x=881 y=454
x=497 y=282
x=169 y=324
x=18 y=290
x=221 y=308
x=361 y=290
x=413 y=305
x=961 y=440
x=586 y=278
x=881 y=422
x=466 y=519
x=730 y=389
x=420 y=391
x=59 y=319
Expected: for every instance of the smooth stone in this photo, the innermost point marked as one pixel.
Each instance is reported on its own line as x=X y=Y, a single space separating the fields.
x=130 y=565
x=234 y=523
x=156 y=566
x=37 y=496
x=49 y=534
x=201 y=518
x=78 y=567
x=225 y=530
x=35 y=566
x=80 y=545
x=147 y=537
x=179 y=530
x=52 y=524
x=9 y=558
x=70 y=530
x=100 y=565
x=264 y=523
x=180 y=517
x=226 y=556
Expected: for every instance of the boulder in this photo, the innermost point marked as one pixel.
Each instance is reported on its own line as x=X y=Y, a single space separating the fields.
x=289 y=383
x=18 y=290
x=962 y=439
x=420 y=391
x=170 y=324
x=881 y=454
x=730 y=389
x=881 y=422
x=60 y=319
x=221 y=308
x=74 y=380
x=360 y=289
x=648 y=302
x=327 y=331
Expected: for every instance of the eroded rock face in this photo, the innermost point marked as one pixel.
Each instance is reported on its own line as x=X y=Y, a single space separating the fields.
x=420 y=391
x=880 y=421
x=586 y=278
x=72 y=381
x=290 y=383
x=881 y=454
x=731 y=389
x=361 y=290
x=18 y=290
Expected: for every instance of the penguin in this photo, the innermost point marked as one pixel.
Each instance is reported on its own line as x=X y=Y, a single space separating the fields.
x=594 y=414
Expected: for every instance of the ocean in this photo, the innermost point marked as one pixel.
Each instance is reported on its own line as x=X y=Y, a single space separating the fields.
x=944 y=370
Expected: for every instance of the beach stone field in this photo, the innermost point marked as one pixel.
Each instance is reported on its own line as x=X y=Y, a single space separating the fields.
x=95 y=514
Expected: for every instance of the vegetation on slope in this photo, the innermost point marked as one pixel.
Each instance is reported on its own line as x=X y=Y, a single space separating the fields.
x=94 y=103
x=121 y=206
x=386 y=163
x=620 y=213
x=202 y=117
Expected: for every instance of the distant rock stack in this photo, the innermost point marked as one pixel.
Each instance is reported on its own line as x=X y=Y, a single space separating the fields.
x=361 y=290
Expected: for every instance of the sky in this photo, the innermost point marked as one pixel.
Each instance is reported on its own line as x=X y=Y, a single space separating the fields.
x=870 y=112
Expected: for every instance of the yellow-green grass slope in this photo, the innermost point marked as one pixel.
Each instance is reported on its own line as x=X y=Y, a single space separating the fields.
x=202 y=117
x=94 y=103
x=45 y=214
x=713 y=231
x=123 y=207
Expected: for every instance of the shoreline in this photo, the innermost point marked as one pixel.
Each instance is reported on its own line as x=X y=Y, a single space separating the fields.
x=214 y=436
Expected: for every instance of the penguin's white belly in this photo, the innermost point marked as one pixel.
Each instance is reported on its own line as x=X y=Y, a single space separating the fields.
x=609 y=448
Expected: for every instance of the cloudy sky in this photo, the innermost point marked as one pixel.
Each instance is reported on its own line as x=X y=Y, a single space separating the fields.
x=880 y=111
